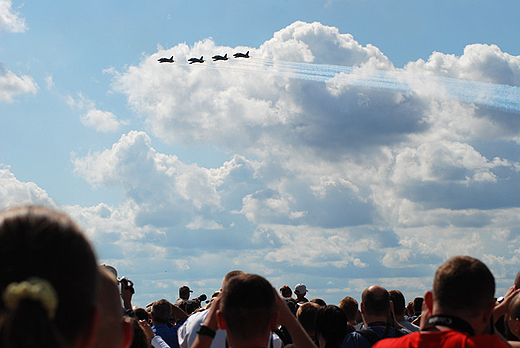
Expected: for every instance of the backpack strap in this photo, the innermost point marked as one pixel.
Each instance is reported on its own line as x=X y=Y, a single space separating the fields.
x=370 y=335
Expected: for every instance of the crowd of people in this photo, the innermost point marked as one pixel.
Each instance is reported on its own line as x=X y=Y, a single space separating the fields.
x=54 y=294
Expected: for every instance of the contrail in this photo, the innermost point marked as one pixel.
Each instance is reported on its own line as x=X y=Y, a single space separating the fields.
x=491 y=95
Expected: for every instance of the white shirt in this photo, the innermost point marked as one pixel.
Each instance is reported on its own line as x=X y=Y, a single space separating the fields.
x=188 y=332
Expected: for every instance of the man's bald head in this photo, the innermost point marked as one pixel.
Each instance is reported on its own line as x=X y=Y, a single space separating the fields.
x=375 y=300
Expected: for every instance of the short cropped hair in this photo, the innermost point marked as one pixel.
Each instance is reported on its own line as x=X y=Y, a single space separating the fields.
x=286 y=291
x=306 y=315
x=514 y=307
x=463 y=285
x=248 y=304
x=331 y=324
x=350 y=306
x=161 y=310
x=375 y=301
x=397 y=298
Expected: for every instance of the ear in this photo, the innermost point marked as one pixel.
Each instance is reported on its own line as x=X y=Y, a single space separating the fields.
x=428 y=301
x=128 y=333
x=221 y=322
x=488 y=313
x=362 y=308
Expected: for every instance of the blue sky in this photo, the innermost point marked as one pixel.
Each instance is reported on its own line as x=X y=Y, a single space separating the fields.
x=363 y=142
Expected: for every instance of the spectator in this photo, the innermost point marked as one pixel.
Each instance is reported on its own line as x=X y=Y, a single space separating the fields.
x=319 y=302
x=114 y=330
x=513 y=316
x=501 y=309
x=331 y=326
x=188 y=331
x=161 y=313
x=350 y=306
x=184 y=295
x=286 y=293
x=48 y=281
x=375 y=309
x=249 y=310
x=306 y=316
x=397 y=299
x=458 y=311
x=300 y=290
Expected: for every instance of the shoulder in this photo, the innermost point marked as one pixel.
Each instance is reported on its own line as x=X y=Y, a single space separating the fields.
x=355 y=340
x=486 y=341
x=399 y=342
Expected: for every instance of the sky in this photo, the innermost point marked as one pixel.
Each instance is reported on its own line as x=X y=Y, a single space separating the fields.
x=363 y=142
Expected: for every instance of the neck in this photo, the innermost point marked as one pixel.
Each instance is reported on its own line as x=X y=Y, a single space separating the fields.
x=479 y=325
x=250 y=342
x=367 y=319
x=399 y=317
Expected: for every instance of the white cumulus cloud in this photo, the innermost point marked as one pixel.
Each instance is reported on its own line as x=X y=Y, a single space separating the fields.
x=12 y=85
x=102 y=121
x=10 y=20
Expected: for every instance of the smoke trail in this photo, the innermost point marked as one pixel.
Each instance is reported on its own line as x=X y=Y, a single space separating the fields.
x=496 y=96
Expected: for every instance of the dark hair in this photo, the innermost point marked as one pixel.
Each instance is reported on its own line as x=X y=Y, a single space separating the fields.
x=306 y=315
x=397 y=298
x=141 y=313
x=331 y=324
x=139 y=340
x=417 y=304
x=38 y=242
x=161 y=311
x=463 y=285
x=514 y=307
x=376 y=300
x=350 y=306
x=319 y=302
x=248 y=304
x=286 y=291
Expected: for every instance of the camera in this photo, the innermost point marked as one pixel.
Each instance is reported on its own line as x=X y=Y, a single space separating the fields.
x=127 y=284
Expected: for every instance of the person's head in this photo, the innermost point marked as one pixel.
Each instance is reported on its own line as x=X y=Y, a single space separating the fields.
x=463 y=287
x=48 y=280
x=161 y=311
x=139 y=337
x=114 y=331
x=248 y=309
x=230 y=275
x=350 y=307
x=417 y=305
x=331 y=326
x=141 y=314
x=517 y=280
x=300 y=290
x=286 y=291
x=513 y=316
x=375 y=302
x=306 y=315
x=319 y=301
x=184 y=292
x=397 y=299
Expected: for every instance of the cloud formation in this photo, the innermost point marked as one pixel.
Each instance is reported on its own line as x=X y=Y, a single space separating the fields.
x=10 y=20
x=12 y=85
x=332 y=181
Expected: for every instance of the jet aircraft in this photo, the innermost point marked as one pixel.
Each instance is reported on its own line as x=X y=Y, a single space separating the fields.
x=219 y=57
x=165 y=60
x=241 y=55
x=196 y=60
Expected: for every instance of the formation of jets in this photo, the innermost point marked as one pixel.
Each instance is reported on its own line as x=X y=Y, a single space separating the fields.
x=201 y=59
